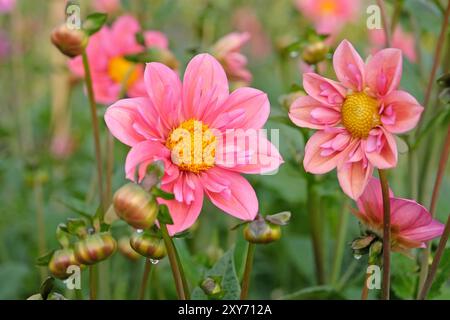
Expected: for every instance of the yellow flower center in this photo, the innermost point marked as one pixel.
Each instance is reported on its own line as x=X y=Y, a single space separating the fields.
x=327 y=6
x=121 y=70
x=193 y=146
x=360 y=114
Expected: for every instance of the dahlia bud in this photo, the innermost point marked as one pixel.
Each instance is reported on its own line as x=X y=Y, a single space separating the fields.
x=70 y=42
x=168 y=58
x=95 y=248
x=148 y=245
x=126 y=249
x=286 y=100
x=60 y=261
x=315 y=52
x=262 y=231
x=135 y=206
x=212 y=288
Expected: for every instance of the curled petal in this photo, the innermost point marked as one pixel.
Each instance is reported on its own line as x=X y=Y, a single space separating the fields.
x=401 y=112
x=141 y=155
x=381 y=149
x=307 y=112
x=324 y=90
x=349 y=66
x=383 y=71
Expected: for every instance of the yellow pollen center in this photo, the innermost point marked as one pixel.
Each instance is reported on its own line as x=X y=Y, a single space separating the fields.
x=121 y=70
x=360 y=114
x=327 y=6
x=193 y=146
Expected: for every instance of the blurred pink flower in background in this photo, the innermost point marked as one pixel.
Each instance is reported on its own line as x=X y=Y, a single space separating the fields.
x=329 y=16
x=107 y=6
x=356 y=118
x=246 y=20
x=411 y=224
x=5 y=45
x=201 y=107
x=106 y=52
x=7 y=5
x=62 y=145
x=227 y=51
x=400 y=40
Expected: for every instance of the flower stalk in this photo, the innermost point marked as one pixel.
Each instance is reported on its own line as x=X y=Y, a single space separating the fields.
x=145 y=276
x=247 y=271
x=175 y=266
x=385 y=22
x=386 y=234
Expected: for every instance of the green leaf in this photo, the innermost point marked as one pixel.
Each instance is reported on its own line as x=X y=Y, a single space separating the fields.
x=157 y=192
x=443 y=274
x=223 y=269
x=45 y=259
x=47 y=287
x=164 y=215
x=77 y=206
x=317 y=292
x=404 y=276
x=140 y=38
x=94 y=22
x=76 y=227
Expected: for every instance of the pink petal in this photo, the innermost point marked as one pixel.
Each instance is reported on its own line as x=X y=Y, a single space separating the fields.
x=384 y=71
x=406 y=111
x=354 y=176
x=141 y=155
x=370 y=203
x=349 y=66
x=381 y=149
x=239 y=197
x=124 y=32
x=205 y=86
x=122 y=118
x=254 y=104
x=164 y=91
x=307 y=112
x=324 y=90
x=185 y=213
x=425 y=233
x=317 y=162
x=251 y=154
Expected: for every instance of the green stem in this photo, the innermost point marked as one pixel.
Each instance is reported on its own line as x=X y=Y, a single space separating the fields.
x=109 y=166
x=386 y=28
x=147 y=269
x=340 y=245
x=316 y=229
x=95 y=126
x=92 y=282
x=386 y=234
x=40 y=220
x=171 y=252
x=247 y=271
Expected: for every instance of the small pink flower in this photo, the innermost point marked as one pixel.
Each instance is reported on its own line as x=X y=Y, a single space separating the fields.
x=106 y=52
x=329 y=16
x=107 y=6
x=411 y=224
x=356 y=118
x=202 y=110
x=5 y=46
x=7 y=5
x=400 y=40
x=227 y=51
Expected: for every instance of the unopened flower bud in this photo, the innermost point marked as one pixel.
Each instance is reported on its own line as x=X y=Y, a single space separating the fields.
x=135 y=206
x=70 y=42
x=286 y=100
x=95 y=248
x=212 y=288
x=262 y=231
x=60 y=261
x=166 y=57
x=148 y=245
x=315 y=52
x=126 y=249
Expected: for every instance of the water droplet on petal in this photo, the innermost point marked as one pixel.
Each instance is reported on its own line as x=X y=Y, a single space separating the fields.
x=154 y=261
x=357 y=256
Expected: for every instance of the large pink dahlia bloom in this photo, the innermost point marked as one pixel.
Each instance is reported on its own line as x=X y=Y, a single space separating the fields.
x=356 y=118
x=411 y=224
x=187 y=126
x=106 y=52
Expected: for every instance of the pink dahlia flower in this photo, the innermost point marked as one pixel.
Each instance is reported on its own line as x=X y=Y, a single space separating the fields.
x=189 y=126
x=400 y=40
x=411 y=224
x=110 y=70
x=227 y=51
x=107 y=6
x=329 y=16
x=356 y=118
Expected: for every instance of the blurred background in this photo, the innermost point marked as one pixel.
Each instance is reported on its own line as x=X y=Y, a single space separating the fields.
x=47 y=163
